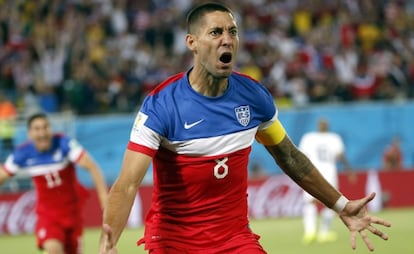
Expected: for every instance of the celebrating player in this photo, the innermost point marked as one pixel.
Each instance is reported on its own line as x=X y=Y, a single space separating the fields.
x=50 y=160
x=197 y=127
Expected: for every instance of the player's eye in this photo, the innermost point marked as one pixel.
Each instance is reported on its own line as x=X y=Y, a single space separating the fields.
x=233 y=32
x=216 y=32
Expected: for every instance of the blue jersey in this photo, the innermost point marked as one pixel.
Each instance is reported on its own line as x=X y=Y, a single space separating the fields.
x=200 y=147
x=54 y=176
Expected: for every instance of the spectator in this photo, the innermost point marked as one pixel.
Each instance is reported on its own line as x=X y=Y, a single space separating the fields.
x=393 y=157
x=107 y=34
x=8 y=116
x=365 y=82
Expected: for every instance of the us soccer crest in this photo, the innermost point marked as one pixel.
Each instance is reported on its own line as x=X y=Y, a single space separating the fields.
x=243 y=115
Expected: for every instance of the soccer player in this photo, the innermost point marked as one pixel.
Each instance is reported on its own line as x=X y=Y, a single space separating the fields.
x=197 y=128
x=324 y=149
x=50 y=160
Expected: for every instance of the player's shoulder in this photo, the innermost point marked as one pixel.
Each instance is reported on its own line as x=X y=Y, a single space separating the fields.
x=331 y=138
x=247 y=84
x=167 y=83
x=23 y=150
x=310 y=135
x=339 y=139
x=61 y=141
x=165 y=94
x=60 y=137
x=246 y=79
x=334 y=135
x=314 y=137
x=24 y=146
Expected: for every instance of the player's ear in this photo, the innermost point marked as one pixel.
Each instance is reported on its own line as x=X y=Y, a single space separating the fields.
x=191 y=42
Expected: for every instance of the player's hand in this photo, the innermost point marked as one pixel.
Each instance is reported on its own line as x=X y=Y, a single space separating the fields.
x=106 y=243
x=356 y=217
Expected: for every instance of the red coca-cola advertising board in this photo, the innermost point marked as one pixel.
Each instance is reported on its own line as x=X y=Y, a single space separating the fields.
x=268 y=197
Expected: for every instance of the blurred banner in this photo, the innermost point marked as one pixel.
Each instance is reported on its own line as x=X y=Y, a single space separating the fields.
x=269 y=197
x=365 y=143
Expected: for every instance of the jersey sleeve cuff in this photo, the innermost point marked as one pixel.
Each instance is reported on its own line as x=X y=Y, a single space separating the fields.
x=140 y=148
x=8 y=172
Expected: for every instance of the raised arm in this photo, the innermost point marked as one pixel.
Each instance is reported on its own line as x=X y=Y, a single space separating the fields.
x=121 y=198
x=87 y=163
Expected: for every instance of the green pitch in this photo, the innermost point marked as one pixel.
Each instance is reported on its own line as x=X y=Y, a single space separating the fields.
x=278 y=236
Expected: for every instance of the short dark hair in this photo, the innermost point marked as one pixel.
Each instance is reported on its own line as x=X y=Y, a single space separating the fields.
x=195 y=14
x=34 y=117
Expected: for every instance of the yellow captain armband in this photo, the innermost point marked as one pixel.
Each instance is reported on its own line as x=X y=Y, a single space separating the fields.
x=272 y=135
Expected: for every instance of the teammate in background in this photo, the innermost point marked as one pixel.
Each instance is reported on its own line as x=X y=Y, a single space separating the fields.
x=324 y=149
x=197 y=127
x=392 y=157
x=50 y=160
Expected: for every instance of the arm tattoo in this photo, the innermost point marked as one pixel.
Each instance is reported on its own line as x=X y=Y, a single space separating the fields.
x=290 y=159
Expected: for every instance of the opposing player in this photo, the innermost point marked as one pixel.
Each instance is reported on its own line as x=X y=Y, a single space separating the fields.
x=197 y=128
x=324 y=148
x=50 y=159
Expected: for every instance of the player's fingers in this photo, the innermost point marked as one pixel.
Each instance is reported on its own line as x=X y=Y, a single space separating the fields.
x=353 y=239
x=366 y=240
x=368 y=198
x=380 y=221
x=107 y=236
x=377 y=232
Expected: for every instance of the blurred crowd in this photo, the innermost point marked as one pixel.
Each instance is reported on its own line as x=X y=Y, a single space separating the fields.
x=102 y=56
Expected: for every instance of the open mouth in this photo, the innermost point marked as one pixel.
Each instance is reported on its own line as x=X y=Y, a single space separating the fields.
x=225 y=58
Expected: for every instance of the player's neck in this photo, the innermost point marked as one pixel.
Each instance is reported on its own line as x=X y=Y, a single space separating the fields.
x=206 y=84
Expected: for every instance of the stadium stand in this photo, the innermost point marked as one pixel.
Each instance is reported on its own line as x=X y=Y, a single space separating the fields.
x=101 y=56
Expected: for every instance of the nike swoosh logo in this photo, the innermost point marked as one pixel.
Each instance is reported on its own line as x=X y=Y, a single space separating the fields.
x=191 y=125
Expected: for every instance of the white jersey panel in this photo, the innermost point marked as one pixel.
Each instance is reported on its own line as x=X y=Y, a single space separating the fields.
x=213 y=146
x=323 y=150
x=196 y=147
x=75 y=150
x=36 y=170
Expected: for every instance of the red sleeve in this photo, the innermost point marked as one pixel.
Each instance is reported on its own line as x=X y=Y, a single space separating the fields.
x=142 y=149
x=6 y=170
x=80 y=156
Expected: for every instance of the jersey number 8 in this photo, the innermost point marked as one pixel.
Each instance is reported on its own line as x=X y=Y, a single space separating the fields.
x=221 y=170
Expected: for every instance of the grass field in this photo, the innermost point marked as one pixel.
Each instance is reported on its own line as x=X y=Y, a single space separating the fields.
x=278 y=236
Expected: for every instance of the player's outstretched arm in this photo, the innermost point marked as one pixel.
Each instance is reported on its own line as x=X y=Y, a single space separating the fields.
x=353 y=213
x=87 y=163
x=356 y=217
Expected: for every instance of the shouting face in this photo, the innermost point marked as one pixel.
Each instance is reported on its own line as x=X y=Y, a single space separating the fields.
x=214 y=43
